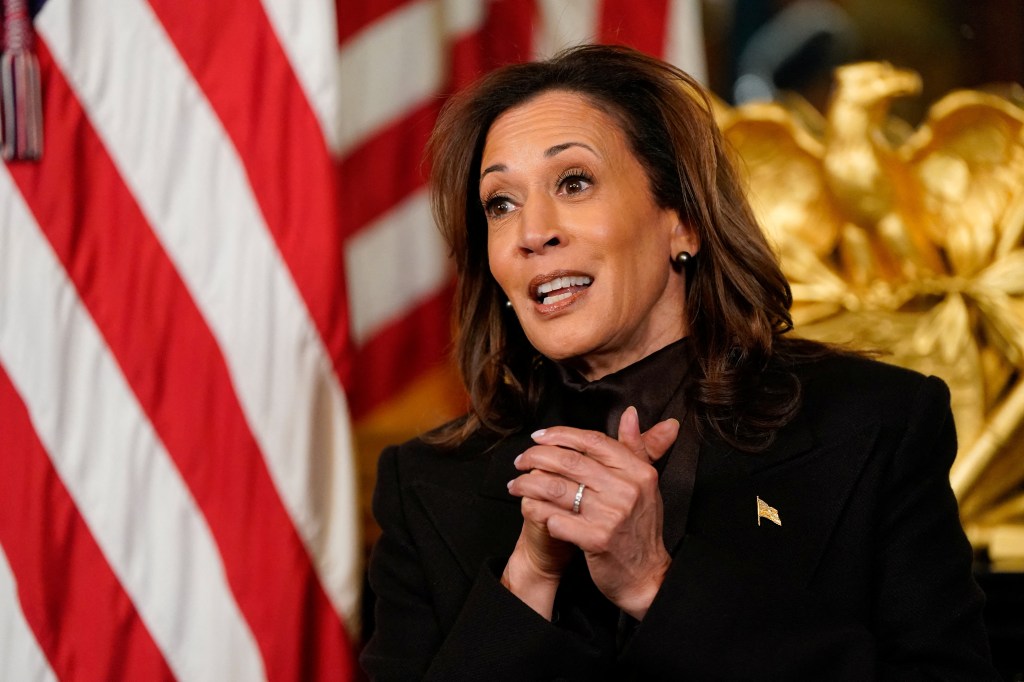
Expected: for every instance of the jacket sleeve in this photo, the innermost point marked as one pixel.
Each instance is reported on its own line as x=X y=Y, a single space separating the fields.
x=406 y=634
x=928 y=608
x=495 y=635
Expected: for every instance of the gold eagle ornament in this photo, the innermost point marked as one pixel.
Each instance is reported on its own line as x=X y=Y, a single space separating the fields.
x=909 y=241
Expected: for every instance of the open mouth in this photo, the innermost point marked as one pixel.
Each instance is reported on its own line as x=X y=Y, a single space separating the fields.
x=560 y=288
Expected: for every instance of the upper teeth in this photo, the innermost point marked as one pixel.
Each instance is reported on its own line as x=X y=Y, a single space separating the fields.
x=563 y=283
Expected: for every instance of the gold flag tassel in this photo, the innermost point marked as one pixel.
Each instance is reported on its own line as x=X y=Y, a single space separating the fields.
x=22 y=110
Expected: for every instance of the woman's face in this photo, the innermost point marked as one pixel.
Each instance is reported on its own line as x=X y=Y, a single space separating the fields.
x=575 y=238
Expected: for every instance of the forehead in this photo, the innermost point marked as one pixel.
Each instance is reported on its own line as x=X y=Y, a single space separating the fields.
x=550 y=119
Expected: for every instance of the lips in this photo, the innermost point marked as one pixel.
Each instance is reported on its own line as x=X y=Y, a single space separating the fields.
x=559 y=286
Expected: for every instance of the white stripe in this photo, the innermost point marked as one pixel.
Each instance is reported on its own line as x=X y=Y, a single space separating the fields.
x=117 y=472
x=179 y=163
x=463 y=16
x=685 y=39
x=389 y=68
x=20 y=656
x=564 y=24
x=308 y=32
x=393 y=265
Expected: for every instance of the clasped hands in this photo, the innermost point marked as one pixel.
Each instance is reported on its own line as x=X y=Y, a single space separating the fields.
x=619 y=521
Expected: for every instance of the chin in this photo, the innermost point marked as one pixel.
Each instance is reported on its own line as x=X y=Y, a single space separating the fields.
x=560 y=349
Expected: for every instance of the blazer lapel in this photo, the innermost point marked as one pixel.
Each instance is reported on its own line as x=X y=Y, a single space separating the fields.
x=805 y=479
x=677 y=479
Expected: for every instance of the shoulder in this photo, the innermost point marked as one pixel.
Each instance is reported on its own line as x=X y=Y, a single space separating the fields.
x=860 y=377
x=842 y=390
x=427 y=447
x=422 y=459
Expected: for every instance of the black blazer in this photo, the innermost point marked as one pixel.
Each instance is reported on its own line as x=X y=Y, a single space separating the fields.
x=868 y=577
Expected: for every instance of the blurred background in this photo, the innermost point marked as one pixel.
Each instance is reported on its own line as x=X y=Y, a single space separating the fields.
x=221 y=292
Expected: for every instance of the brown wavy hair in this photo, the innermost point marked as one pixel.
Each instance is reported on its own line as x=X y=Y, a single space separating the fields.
x=737 y=299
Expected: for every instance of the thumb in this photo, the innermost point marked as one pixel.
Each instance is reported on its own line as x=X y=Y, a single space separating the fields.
x=629 y=433
x=659 y=438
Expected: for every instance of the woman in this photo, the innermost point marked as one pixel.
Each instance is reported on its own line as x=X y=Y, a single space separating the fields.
x=652 y=481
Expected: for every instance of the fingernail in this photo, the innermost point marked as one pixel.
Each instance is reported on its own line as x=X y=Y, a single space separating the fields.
x=509 y=484
x=516 y=460
x=538 y=433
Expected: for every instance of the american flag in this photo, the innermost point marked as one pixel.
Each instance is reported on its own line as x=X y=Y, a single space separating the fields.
x=176 y=485
x=224 y=249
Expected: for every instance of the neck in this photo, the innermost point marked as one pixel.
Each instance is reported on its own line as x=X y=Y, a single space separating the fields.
x=600 y=364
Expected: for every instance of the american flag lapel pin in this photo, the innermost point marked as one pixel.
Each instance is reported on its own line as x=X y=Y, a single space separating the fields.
x=766 y=511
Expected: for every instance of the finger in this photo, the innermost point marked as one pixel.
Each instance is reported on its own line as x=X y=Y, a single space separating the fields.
x=659 y=438
x=629 y=433
x=593 y=444
x=539 y=511
x=576 y=529
x=561 y=524
x=566 y=462
x=543 y=486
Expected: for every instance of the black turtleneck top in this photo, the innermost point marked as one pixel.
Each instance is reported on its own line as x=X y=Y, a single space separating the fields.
x=649 y=385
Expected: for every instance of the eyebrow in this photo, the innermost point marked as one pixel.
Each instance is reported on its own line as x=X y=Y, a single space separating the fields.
x=559 y=148
x=491 y=169
x=548 y=153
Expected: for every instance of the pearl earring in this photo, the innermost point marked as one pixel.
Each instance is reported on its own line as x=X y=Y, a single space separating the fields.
x=682 y=258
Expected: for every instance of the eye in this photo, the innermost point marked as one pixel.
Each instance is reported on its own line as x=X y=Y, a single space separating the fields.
x=574 y=181
x=498 y=206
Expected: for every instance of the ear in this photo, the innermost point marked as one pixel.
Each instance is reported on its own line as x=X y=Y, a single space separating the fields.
x=684 y=238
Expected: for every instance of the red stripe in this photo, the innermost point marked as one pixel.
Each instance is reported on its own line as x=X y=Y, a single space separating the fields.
x=84 y=622
x=233 y=52
x=507 y=34
x=180 y=378
x=386 y=168
x=506 y=37
x=355 y=15
x=416 y=339
x=642 y=25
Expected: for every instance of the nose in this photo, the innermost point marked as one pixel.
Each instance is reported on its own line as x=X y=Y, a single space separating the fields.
x=539 y=227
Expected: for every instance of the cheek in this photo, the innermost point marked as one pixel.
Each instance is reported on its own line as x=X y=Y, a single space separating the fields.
x=638 y=248
x=498 y=262
x=642 y=267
